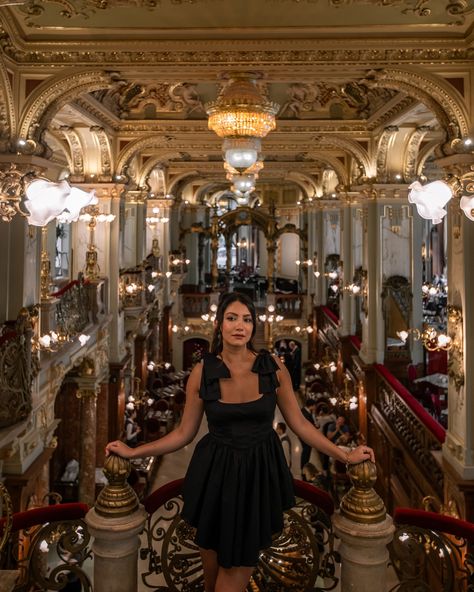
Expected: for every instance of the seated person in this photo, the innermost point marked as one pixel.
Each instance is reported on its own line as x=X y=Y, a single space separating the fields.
x=316 y=478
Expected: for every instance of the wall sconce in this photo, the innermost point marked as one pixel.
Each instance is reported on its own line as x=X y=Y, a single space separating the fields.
x=431 y=199
x=326 y=363
x=432 y=340
x=346 y=398
x=44 y=199
x=92 y=215
x=211 y=315
x=51 y=342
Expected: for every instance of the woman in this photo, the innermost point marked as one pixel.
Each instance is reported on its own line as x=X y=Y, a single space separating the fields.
x=238 y=483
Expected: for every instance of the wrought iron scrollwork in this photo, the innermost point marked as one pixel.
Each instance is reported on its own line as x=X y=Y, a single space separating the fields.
x=426 y=560
x=56 y=554
x=301 y=558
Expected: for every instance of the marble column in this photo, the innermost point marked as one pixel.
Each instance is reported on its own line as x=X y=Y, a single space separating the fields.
x=346 y=319
x=87 y=463
x=373 y=327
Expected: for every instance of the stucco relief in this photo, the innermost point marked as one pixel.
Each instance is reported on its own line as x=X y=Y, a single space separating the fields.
x=334 y=101
x=133 y=100
x=443 y=100
x=53 y=94
x=105 y=152
x=383 y=150
x=76 y=149
x=413 y=151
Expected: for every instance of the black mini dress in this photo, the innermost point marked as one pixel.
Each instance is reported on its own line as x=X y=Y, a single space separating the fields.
x=238 y=483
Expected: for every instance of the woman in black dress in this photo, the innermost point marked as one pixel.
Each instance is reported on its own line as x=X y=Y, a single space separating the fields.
x=238 y=483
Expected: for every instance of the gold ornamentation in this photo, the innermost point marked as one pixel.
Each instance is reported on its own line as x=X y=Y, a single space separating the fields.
x=6 y=513
x=117 y=498
x=43 y=104
x=456 y=353
x=302 y=552
x=435 y=93
x=17 y=370
x=65 y=545
x=361 y=503
x=241 y=110
x=414 y=551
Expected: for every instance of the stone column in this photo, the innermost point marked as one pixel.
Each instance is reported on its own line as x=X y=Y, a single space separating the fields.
x=88 y=394
x=365 y=531
x=115 y=523
x=271 y=248
x=373 y=325
x=346 y=324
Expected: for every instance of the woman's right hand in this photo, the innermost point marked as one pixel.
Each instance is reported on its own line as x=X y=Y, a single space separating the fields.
x=119 y=448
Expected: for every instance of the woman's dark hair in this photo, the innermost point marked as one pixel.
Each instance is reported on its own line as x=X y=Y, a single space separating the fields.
x=224 y=302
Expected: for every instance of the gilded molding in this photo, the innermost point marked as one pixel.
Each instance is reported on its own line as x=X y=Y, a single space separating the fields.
x=164 y=151
x=7 y=111
x=382 y=151
x=105 y=152
x=347 y=145
x=53 y=94
x=410 y=166
x=75 y=147
x=255 y=53
x=436 y=94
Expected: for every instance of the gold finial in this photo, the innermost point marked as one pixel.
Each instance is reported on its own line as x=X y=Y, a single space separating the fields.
x=361 y=503
x=117 y=498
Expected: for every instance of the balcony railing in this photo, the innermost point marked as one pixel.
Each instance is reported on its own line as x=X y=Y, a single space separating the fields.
x=18 y=367
x=195 y=305
x=413 y=425
x=430 y=552
x=47 y=547
x=291 y=306
x=301 y=558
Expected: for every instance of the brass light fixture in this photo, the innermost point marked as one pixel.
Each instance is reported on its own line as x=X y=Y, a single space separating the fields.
x=431 y=199
x=242 y=116
x=432 y=339
x=240 y=111
x=92 y=215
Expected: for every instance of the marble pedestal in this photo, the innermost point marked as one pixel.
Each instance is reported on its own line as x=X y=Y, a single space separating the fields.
x=364 y=554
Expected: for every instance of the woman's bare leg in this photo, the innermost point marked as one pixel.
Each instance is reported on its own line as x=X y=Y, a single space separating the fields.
x=210 y=568
x=234 y=579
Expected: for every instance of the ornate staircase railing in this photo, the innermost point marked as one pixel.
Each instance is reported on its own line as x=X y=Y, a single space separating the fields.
x=301 y=558
x=432 y=552
x=46 y=546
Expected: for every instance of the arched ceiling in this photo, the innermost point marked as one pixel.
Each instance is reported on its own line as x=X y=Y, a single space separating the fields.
x=157 y=63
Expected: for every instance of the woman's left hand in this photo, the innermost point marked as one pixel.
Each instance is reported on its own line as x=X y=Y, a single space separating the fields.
x=359 y=454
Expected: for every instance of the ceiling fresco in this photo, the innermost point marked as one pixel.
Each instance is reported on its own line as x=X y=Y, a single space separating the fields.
x=225 y=17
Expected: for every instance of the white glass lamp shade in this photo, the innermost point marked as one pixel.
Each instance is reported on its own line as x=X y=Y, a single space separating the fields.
x=241 y=158
x=45 y=200
x=76 y=200
x=467 y=206
x=430 y=199
x=243 y=183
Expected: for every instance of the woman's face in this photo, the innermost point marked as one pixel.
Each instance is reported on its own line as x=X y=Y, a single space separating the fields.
x=237 y=324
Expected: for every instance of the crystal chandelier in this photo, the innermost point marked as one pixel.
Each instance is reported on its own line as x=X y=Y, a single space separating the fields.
x=242 y=116
x=240 y=110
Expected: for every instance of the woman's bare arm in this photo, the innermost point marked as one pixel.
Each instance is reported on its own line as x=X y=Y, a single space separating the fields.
x=305 y=430
x=179 y=437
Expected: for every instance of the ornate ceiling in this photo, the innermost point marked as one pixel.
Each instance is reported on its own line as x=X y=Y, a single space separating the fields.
x=366 y=88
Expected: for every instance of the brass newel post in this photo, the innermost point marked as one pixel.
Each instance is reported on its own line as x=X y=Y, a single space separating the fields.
x=361 y=503
x=115 y=523
x=365 y=531
x=117 y=498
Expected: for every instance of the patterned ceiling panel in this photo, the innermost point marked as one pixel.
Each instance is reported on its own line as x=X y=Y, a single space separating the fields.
x=219 y=15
